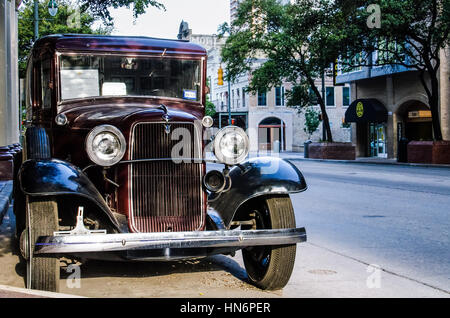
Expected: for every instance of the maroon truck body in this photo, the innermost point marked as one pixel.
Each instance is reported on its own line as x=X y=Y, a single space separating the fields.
x=102 y=175
x=67 y=142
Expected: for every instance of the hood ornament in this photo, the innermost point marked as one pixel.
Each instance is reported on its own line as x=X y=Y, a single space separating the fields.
x=166 y=118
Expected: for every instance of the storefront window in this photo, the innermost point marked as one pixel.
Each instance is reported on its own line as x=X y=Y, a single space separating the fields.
x=346 y=96
x=330 y=96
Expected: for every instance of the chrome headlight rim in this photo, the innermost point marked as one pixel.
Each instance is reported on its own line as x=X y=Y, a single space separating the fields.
x=105 y=129
x=207 y=121
x=231 y=161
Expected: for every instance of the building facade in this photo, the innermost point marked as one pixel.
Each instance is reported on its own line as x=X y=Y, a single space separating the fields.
x=398 y=105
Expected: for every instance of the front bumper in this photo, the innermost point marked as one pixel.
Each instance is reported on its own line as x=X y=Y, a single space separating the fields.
x=70 y=244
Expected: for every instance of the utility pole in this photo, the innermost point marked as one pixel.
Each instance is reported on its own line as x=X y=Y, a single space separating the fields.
x=229 y=102
x=36 y=20
x=220 y=83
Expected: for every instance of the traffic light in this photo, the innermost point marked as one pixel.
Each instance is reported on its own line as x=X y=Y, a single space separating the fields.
x=220 y=76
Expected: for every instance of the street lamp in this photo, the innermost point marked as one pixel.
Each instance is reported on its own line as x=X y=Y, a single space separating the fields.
x=52 y=10
x=36 y=20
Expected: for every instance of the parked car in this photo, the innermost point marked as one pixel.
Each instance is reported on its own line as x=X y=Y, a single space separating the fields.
x=113 y=165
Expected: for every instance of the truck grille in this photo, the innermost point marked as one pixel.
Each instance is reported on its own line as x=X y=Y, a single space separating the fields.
x=165 y=196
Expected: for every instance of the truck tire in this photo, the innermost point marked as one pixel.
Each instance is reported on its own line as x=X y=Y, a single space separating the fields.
x=36 y=146
x=270 y=267
x=42 y=220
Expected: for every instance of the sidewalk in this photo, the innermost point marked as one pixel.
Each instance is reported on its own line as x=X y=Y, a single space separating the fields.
x=298 y=156
x=15 y=292
x=5 y=197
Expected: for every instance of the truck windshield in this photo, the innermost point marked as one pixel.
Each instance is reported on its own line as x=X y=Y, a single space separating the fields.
x=85 y=76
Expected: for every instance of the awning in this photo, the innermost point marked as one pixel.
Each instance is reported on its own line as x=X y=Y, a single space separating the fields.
x=366 y=111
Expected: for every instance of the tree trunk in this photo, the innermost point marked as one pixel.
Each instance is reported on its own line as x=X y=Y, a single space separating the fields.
x=434 y=106
x=433 y=99
x=326 y=120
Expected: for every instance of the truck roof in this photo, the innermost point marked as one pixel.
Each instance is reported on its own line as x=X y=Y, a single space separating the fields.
x=109 y=43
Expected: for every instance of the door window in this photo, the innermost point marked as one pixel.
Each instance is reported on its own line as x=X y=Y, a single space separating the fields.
x=377 y=136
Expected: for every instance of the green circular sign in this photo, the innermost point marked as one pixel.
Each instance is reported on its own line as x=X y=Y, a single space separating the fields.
x=360 y=109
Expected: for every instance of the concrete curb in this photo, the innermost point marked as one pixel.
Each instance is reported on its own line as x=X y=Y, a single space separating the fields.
x=387 y=163
x=15 y=292
x=292 y=157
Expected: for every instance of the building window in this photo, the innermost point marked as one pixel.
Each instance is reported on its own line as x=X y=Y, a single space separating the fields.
x=238 y=97
x=346 y=96
x=279 y=96
x=243 y=97
x=262 y=98
x=232 y=98
x=330 y=96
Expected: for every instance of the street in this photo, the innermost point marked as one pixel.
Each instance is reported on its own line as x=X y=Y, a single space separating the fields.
x=373 y=231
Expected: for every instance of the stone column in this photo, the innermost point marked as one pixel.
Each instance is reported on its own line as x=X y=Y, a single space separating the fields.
x=445 y=92
x=391 y=129
x=3 y=72
x=9 y=103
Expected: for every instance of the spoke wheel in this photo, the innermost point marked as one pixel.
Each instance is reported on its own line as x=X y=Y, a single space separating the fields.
x=270 y=267
x=42 y=220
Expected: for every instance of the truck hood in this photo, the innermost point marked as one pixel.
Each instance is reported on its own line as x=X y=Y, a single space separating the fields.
x=87 y=117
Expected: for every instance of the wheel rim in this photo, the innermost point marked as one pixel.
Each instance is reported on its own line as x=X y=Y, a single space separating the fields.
x=257 y=258
x=29 y=249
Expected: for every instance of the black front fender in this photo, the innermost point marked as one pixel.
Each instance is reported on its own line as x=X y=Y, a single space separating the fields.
x=52 y=177
x=256 y=177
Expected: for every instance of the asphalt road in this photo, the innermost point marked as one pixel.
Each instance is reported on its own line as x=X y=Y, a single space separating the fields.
x=397 y=217
x=373 y=231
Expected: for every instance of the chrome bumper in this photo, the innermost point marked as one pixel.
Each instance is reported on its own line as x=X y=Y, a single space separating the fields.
x=69 y=244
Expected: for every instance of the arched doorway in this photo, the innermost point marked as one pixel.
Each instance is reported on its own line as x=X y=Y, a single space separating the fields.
x=370 y=116
x=271 y=131
x=415 y=122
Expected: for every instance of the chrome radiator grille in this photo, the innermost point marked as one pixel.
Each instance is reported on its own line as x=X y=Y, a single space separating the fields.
x=165 y=196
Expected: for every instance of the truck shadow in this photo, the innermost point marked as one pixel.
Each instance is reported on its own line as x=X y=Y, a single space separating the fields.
x=97 y=268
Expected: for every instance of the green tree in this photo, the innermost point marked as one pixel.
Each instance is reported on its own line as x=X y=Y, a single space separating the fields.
x=100 y=9
x=47 y=25
x=210 y=109
x=411 y=33
x=69 y=19
x=312 y=121
x=277 y=43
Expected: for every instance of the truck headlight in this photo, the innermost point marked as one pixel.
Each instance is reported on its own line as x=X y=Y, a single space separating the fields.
x=105 y=145
x=231 y=145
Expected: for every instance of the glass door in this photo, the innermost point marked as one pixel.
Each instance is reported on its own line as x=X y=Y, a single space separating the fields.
x=377 y=139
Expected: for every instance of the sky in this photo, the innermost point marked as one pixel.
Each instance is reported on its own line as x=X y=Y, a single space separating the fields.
x=203 y=16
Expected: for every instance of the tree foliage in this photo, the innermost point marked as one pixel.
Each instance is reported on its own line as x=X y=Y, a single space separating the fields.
x=312 y=121
x=100 y=9
x=277 y=43
x=72 y=17
x=412 y=34
x=210 y=109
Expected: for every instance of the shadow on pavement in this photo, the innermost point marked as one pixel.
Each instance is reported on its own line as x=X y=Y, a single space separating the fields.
x=96 y=268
